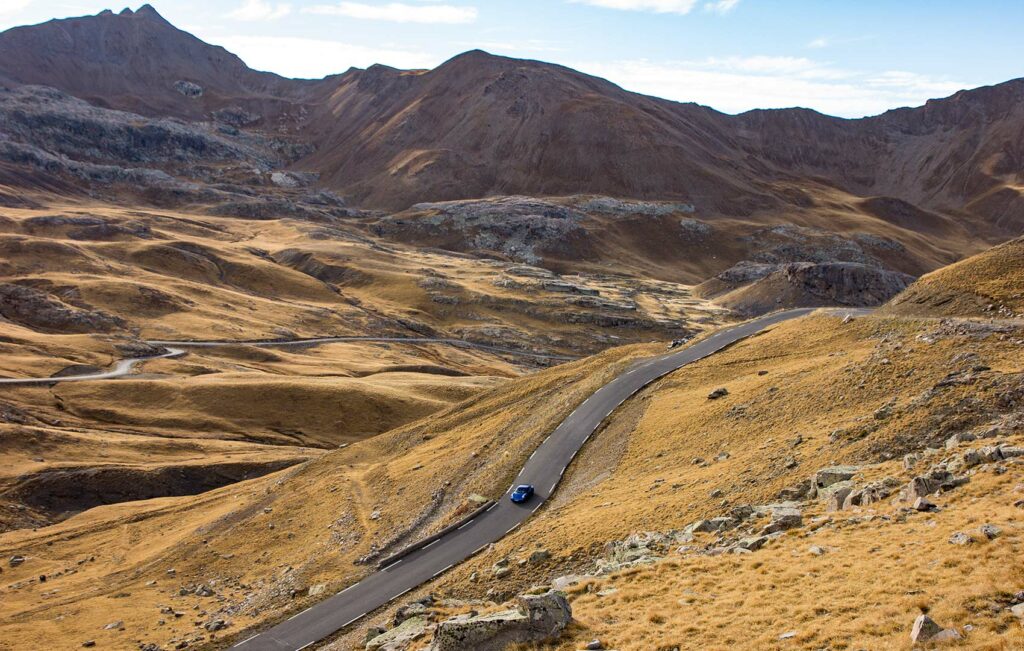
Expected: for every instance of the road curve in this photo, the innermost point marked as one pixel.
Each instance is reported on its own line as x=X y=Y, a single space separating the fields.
x=271 y=343
x=121 y=368
x=544 y=470
x=177 y=348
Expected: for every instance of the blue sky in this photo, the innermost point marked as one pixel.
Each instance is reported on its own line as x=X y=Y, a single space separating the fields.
x=842 y=57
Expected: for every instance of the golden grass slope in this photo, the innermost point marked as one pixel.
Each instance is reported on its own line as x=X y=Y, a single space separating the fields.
x=256 y=542
x=988 y=284
x=825 y=382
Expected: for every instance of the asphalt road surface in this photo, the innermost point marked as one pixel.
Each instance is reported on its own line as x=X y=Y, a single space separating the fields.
x=544 y=469
x=176 y=348
x=121 y=369
x=265 y=343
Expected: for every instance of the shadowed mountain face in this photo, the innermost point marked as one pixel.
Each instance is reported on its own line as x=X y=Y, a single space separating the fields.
x=138 y=62
x=482 y=125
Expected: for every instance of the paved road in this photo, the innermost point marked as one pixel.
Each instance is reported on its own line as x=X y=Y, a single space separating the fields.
x=121 y=368
x=177 y=348
x=265 y=343
x=544 y=469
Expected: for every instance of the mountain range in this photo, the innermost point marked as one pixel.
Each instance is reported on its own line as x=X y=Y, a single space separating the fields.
x=481 y=125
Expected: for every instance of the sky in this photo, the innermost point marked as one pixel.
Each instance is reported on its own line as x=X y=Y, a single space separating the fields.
x=848 y=58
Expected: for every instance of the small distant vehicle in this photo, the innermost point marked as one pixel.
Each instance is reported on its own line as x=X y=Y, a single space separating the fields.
x=522 y=493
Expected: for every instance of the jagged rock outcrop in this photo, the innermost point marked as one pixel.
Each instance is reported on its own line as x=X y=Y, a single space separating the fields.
x=522 y=228
x=38 y=310
x=806 y=284
x=537 y=618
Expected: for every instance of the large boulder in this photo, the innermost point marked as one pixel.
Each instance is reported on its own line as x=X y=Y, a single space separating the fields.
x=399 y=637
x=833 y=475
x=537 y=618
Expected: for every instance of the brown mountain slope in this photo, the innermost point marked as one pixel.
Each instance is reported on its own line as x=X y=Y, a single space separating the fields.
x=481 y=125
x=137 y=61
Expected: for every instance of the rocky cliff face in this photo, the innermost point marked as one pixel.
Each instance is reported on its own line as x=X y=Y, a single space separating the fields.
x=807 y=284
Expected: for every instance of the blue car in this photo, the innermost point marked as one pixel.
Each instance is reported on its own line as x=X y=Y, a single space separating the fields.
x=522 y=493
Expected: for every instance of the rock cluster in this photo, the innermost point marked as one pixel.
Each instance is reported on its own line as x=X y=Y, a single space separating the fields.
x=533 y=618
x=536 y=618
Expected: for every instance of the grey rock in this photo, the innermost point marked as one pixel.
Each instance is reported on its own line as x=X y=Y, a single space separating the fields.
x=960 y=538
x=399 y=637
x=594 y=645
x=923 y=504
x=990 y=531
x=833 y=475
x=1018 y=611
x=825 y=494
x=990 y=454
x=714 y=524
x=567 y=581
x=1009 y=451
x=188 y=88
x=373 y=632
x=16 y=560
x=924 y=629
x=752 y=543
x=957 y=439
x=718 y=393
x=539 y=556
x=803 y=490
x=837 y=500
x=782 y=520
x=409 y=611
x=946 y=635
x=741 y=511
x=537 y=618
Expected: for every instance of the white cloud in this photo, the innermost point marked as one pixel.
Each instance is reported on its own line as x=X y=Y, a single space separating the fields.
x=656 y=6
x=253 y=10
x=738 y=84
x=721 y=6
x=818 y=43
x=398 y=12
x=11 y=7
x=314 y=58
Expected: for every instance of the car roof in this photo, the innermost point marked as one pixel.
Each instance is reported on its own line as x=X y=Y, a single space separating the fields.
x=523 y=486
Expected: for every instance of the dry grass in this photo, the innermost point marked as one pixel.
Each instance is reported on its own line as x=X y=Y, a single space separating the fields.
x=319 y=512
x=863 y=593
x=988 y=284
x=823 y=377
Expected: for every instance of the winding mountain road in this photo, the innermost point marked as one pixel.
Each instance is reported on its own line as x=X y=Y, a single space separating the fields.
x=125 y=367
x=277 y=343
x=121 y=368
x=544 y=469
